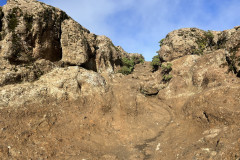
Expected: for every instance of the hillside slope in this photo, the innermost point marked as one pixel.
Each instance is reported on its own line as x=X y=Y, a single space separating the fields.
x=62 y=98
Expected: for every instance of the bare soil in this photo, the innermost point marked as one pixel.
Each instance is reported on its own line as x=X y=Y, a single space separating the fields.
x=129 y=126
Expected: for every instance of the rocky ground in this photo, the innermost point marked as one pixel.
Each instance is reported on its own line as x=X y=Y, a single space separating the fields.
x=123 y=123
x=61 y=96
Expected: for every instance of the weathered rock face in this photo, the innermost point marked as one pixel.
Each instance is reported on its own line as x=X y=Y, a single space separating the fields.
x=80 y=47
x=28 y=26
x=195 y=74
x=58 y=100
x=60 y=84
x=205 y=71
x=179 y=43
x=31 y=30
x=192 y=41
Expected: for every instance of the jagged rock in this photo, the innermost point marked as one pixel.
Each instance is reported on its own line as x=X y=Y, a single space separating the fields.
x=60 y=84
x=197 y=78
x=75 y=48
x=179 y=43
x=60 y=100
x=11 y=74
x=32 y=30
x=152 y=88
x=188 y=41
x=80 y=47
x=108 y=57
x=28 y=32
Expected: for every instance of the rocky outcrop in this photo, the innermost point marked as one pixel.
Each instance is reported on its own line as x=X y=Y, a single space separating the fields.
x=11 y=74
x=31 y=30
x=193 y=41
x=80 y=47
x=179 y=43
x=204 y=85
x=60 y=84
x=28 y=33
x=211 y=68
x=60 y=97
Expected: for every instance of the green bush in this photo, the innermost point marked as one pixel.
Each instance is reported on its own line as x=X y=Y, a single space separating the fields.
x=125 y=70
x=167 y=78
x=137 y=59
x=166 y=68
x=209 y=35
x=203 y=42
x=29 y=21
x=161 y=42
x=128 y=66
x=142 y=60
x=129 y=63
x=12 y=18
x=156 y=62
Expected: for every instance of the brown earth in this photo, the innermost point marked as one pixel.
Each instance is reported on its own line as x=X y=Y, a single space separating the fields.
x=121 y=124
x=62 y=98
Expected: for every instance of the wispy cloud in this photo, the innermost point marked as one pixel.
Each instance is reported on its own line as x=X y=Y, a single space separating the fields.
x=138 y=25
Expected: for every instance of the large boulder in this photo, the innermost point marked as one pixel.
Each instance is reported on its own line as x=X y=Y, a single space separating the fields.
x=60 y=84
x=28 y=33
x=193 y=41
x=179 y=43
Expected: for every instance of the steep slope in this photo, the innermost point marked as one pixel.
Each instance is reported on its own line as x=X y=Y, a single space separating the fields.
x=204 y=88
x=61 y=98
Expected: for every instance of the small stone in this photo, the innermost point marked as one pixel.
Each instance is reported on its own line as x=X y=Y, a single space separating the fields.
x=213 y=153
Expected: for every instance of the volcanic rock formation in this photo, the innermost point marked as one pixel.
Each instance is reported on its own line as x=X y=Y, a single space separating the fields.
x=62 y=98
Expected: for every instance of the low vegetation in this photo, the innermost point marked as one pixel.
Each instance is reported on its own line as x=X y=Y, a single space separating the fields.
x=16 y=45
x=166 y=69
x=167 y=78
x=126 y=70
x=13 y=18
x=233 y=62
x=203 y=42
x=128 y=64
x=156 y=63
x=161 y=42
x=138 y=59
x=29 y=21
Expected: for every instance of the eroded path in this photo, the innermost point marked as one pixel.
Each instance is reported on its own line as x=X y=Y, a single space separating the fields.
x=160 y=132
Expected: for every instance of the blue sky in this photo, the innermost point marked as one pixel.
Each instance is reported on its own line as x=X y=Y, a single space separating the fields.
x=2 y=2
x=138 y=25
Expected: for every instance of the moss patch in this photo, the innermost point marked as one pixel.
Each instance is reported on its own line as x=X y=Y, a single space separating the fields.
x=161 y=42
x=16 y=45
x=13 y=18
x=28 y=21
x=166 y=69
x=203 y=42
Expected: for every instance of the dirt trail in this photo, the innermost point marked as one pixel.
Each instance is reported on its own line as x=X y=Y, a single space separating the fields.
x=168 y=130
